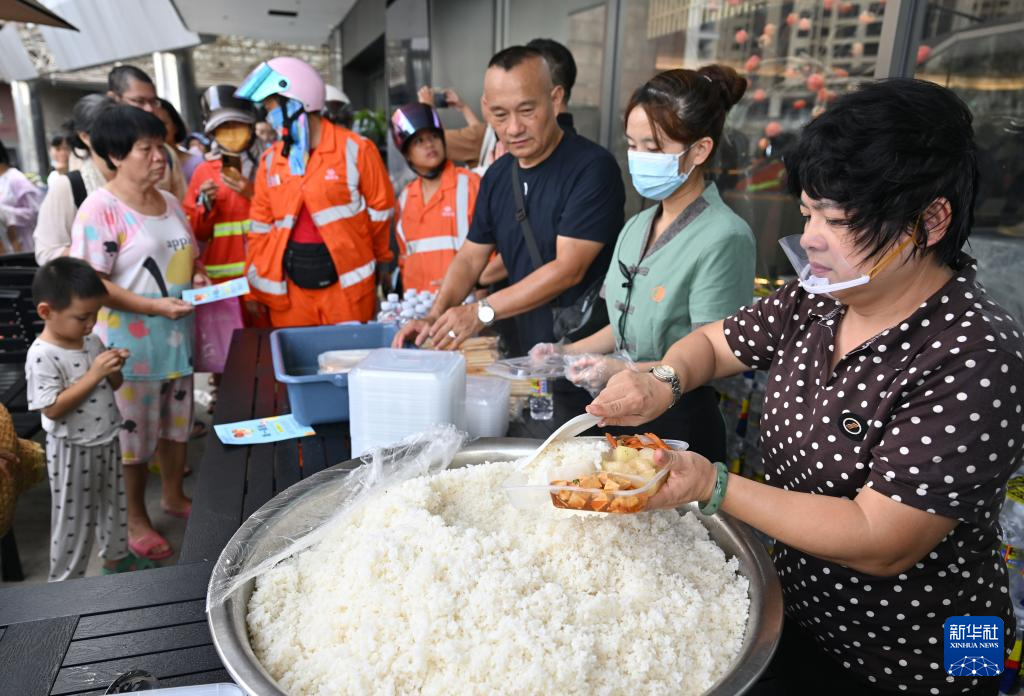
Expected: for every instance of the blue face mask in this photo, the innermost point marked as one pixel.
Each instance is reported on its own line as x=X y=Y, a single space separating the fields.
x=295 y=131
x=656 y=174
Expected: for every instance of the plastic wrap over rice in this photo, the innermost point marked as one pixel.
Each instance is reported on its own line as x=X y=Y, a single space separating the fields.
x=439 y=586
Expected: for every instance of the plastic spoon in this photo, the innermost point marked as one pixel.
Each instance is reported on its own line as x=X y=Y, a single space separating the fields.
x=568 y=430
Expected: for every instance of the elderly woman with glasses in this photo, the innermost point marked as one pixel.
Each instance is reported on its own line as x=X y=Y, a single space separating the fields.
x=680 y=264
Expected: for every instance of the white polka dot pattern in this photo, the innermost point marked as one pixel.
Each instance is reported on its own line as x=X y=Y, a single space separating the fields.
x=928 y=413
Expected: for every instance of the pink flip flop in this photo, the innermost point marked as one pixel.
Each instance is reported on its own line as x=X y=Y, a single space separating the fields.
x=143 y=548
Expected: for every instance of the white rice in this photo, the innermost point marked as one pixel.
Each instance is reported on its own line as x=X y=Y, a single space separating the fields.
x=439 y=586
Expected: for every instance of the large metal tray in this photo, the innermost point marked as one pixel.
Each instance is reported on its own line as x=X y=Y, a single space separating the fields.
x=231 y=638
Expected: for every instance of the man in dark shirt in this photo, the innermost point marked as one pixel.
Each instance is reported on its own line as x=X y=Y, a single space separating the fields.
x=573 y=194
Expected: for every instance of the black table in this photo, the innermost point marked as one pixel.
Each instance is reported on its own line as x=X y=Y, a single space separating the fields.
x=75 y=637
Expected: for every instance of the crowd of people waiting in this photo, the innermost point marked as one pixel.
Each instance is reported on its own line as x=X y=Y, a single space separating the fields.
x=517 y=223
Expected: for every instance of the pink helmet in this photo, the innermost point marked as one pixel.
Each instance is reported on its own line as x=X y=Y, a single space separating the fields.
x=287 y=76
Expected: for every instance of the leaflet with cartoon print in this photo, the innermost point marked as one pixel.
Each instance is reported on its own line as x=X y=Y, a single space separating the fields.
x=214 y=293
x=262 y=430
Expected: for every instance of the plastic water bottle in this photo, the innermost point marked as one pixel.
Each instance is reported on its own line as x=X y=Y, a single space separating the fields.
x=542 y=404
x=388 y=313
x=410 y=294
x=393 y=298
x=405 y=317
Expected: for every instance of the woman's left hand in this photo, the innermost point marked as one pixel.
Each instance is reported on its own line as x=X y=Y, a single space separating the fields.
x=200 y=279
x=691 y=477
x=592 y=372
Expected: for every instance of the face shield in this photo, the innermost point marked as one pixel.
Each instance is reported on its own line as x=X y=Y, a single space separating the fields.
x=825 y=270
x=262 y=82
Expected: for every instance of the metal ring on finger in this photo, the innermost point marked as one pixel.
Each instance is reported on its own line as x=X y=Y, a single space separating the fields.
x=452 y=334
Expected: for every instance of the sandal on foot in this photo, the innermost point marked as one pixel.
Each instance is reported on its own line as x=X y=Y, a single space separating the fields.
x=144 y=547
x=128 y=564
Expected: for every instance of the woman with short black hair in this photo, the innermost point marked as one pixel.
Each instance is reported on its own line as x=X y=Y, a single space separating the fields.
x=137 y=237
x=892 y=418
x=66 y=192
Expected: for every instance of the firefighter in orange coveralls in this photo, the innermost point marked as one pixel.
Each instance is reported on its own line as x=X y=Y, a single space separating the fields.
x=322 y=206
x=435 y=210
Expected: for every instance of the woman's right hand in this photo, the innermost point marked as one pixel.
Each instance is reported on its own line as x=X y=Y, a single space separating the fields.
x=631 y=398
x=171 y=308
x=416 y=330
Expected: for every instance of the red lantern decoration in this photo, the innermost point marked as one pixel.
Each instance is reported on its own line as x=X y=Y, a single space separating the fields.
x=752 y=63
x=791 y=18
x=840 y=72
x=759 y=95
x=769 y=29
x=773 y=129
x=815 y=81
x=804 y=24
x=923 y=53
x=741 y=36
x=800 y=104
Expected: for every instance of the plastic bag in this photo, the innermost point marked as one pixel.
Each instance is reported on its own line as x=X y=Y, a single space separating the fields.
x=549 y=367
x=421 y=454
x=215 y=322
x=592 y=371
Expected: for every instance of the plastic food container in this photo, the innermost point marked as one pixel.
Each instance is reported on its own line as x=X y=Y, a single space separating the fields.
x=527 y=496
x=550 y=367
x=398 y=392
x=487 y=406
x=320 y=398
x=340 y=361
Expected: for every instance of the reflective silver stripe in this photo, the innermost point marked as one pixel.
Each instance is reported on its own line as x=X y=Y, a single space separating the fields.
x=379 y=215
x=259 y=227
x=462 y=206
x=446 y=243
x=358 y=275
x=400 y=231
x=286 y=223
x=271 y=287
x=338 y=212
x=402 y=198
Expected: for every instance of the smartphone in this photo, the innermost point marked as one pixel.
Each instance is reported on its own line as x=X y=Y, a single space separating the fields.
x=440 y=100
x=231 y=164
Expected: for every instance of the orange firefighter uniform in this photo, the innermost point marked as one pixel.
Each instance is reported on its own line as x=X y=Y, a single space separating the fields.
x=347 y=192
x=429 y=233
x=223 y=228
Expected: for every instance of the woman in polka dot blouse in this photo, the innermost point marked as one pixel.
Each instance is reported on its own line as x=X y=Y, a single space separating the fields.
x=892 y=418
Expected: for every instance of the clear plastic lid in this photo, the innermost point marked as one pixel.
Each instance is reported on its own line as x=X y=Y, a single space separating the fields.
x=393 y=297
x=548 y=367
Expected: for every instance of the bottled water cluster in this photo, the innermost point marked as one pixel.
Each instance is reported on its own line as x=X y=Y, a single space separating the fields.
x=399 y=310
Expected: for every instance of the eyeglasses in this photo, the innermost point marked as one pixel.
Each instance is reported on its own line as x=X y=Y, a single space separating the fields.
x=629 y=273
x=142 y=102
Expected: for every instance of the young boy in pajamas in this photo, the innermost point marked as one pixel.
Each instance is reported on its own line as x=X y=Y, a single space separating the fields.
x=71 y=380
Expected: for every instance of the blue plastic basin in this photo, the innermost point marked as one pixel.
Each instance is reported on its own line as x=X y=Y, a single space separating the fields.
x=320 y=398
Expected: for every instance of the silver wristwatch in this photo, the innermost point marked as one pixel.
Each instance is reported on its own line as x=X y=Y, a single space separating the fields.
x=667 y=374
x=485 y=313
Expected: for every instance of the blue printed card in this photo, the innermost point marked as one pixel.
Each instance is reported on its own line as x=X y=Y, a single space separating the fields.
x=262 y=430
x=973 y=646
x=213 y=293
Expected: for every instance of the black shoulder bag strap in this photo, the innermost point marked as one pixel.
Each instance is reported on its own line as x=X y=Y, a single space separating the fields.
x=78 y=192
x=524 y=219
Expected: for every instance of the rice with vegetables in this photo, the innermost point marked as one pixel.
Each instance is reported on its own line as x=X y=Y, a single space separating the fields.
x=439 y=586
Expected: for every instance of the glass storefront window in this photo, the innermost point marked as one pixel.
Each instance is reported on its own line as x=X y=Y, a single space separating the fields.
x=797 y=57
x=975 y=48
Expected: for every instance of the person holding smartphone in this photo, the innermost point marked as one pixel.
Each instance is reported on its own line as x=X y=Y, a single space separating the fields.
x=217 y=205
